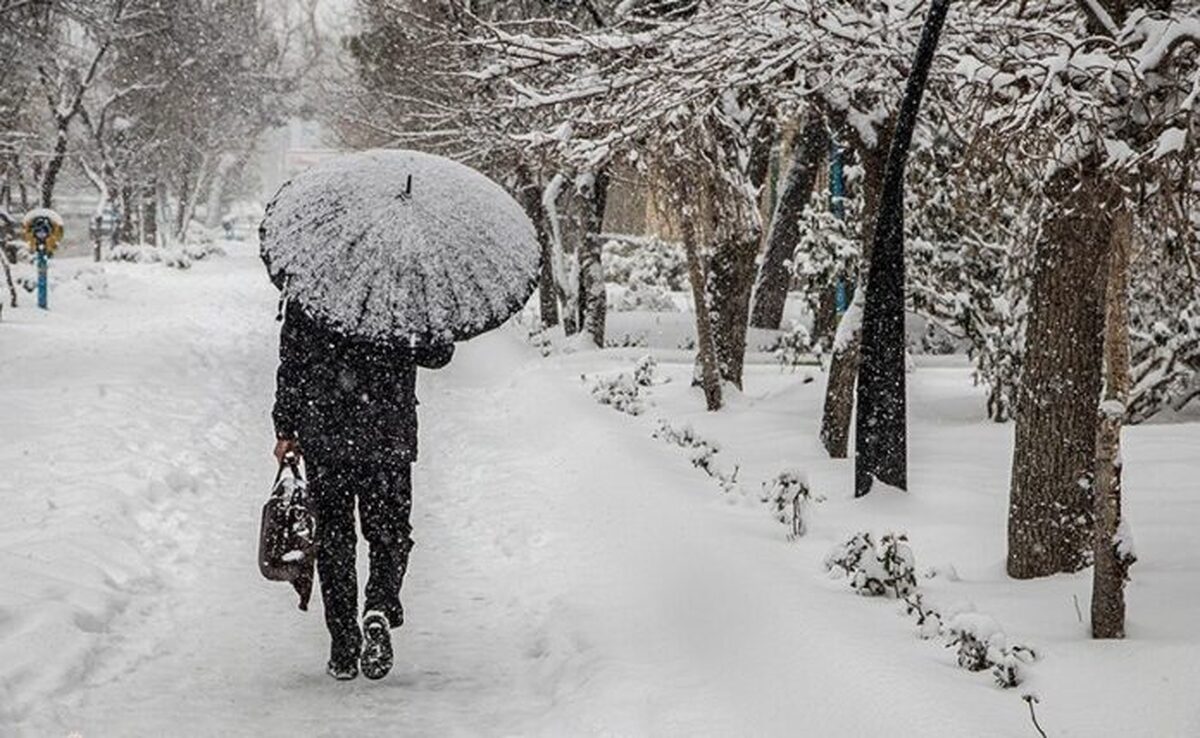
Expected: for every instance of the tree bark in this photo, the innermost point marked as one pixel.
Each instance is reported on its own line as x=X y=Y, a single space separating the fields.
x=706 y=343
x=531 y=201
x=731 y=278
x=1113 y=554
x=843 y=362
x=881 y=448
x=1050 y=514
x=593 y=301
x=775 y=274
x=732 y=270
x=54 y=166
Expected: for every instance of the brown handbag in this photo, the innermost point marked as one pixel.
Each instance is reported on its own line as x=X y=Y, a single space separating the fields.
x=287 y=548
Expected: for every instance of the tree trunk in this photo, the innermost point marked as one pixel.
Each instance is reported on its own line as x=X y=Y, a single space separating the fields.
x=881 y=447
x=593 y=301
x=531 y=201
x=731 y=280
x=149 y=215
x=706 y=343
x=775 y=274
x=1113 y=550
x=732 y=269
x=54 y=166
x=843 y=362
x=1050 y=502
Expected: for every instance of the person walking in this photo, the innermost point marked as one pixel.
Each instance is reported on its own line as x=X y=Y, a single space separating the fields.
x=384 y=259
x=348 y=407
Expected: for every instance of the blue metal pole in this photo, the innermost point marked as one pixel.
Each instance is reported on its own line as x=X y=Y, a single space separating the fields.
x=42 y=287
x=837 y=205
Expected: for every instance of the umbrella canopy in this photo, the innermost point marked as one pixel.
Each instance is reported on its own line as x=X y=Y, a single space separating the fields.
x=393 y=245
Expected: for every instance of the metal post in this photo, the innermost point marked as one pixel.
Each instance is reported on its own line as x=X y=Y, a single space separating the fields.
x=837 y=206
x=42 y=287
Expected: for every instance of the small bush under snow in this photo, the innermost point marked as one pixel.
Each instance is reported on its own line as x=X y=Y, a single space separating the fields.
x=789 y=496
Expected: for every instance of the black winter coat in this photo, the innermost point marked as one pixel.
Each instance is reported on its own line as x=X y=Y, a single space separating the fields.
x=346 y=397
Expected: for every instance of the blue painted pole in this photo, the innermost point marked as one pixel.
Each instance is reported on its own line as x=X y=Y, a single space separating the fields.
x=42 y=287
x=837 y=181
x=837 y=205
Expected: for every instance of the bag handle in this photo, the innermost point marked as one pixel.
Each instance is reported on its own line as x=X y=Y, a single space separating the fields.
x=289 y=461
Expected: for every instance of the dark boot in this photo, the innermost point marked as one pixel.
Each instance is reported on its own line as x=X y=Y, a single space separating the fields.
x=377 y=645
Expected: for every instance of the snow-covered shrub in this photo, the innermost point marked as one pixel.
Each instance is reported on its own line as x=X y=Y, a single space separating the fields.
x=889 y=568
x=789 y=496
x=200 y=250
x=702 y=452
x=540 y=339
x=644 y=371
x=620 y=392
x=176 y=258
x=874 y=569
x=848 y=556
x=929 y=620
x=627 y=340
x=651 y=298
x=134 y=252
x=793 y=348
x=645 y=261
x=982 y=644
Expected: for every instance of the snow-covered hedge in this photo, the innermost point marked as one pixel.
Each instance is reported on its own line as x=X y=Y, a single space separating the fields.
x=176 y=258
x=889 y=569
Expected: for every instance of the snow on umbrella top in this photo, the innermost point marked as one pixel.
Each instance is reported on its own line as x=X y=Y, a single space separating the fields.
x=394 y=245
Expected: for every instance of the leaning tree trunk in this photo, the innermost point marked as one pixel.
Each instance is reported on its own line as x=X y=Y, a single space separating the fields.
x=843 y=362
x=881 y=439
x=593 y=301
x=531 y=201
x=775 y=274
x=1114 y=552
x=1050 y=514
x=54 y=166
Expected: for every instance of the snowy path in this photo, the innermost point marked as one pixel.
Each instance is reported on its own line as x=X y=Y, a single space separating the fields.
x=570 y=577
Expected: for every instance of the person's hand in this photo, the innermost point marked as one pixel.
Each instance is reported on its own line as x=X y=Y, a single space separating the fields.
x=285 y=446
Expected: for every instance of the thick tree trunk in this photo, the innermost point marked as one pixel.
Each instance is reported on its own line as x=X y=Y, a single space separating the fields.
x=1050 y=515
x=593 y=301
x=731 y=280
x=881 y=448
x=775 y=274
x=843 y=362
x=531 y=201
x=732 y=269
x=1113 y=552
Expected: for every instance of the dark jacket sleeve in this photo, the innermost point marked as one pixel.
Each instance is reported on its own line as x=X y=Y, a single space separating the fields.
x=433 y=357
x=289 y=389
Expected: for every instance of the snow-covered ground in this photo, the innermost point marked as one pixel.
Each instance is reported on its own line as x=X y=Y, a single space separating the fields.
x=572 y=576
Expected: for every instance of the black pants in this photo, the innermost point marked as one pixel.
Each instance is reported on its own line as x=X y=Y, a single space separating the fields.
x=384 y=493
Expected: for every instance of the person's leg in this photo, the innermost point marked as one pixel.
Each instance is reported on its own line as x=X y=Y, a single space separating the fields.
x=333 y=486
x=384 y=505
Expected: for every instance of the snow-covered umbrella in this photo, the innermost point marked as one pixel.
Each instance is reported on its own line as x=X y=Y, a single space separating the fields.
x=400 y=246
